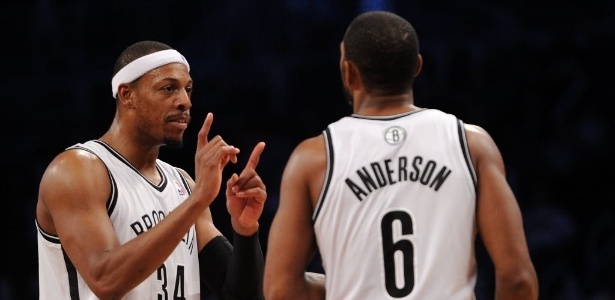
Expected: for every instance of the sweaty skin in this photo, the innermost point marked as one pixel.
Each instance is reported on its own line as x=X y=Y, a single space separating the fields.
x=292 y=241
x=151 y=112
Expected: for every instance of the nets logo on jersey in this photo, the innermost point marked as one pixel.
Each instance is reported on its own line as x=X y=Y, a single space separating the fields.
x=180 y=189
x=394 y=135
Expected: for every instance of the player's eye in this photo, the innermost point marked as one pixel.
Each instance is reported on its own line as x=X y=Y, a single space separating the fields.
x=169 y=88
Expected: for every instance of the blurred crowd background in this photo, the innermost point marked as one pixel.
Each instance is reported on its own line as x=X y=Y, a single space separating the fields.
x=537 y=75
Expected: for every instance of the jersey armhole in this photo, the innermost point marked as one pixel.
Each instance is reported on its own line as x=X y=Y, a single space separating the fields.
x=113 y=195
x=465 y=150
x=184 y=181
x=328 y=173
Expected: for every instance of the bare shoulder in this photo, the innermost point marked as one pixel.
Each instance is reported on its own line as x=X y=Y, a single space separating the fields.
x=305 y=170
x=481 y=144
x=310 y=152
x=186 y=176
x=73 y=166
x=71 y=177
x=313 y=146
x=477 y=134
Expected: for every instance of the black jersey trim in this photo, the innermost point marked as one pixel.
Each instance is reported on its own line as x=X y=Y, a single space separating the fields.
x=114 y=194
x=47 y=236
x=159 y=187
x=112 y=201
x=328 y=175
x=184 y=181
x=388 y=118
x=463 y=141
x=71 y=273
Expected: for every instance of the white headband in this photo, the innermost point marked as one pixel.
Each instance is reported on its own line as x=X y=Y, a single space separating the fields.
x=144 y=64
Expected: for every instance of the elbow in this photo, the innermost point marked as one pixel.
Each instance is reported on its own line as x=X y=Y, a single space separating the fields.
x=520 y=285
x=273 y=292
x=105 y=292
x=107 y=289
x=303 y=286
x=276 y=290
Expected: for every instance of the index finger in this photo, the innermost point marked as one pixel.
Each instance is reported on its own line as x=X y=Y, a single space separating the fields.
x=255 y=155
x=202 y=140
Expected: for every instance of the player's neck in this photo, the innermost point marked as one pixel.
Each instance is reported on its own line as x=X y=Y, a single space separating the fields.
x=385 y=105
x=142 y=157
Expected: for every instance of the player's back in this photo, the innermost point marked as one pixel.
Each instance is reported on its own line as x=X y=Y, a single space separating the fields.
x=396 y=217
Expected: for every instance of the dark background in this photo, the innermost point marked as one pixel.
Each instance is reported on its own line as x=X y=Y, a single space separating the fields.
x=537 y=75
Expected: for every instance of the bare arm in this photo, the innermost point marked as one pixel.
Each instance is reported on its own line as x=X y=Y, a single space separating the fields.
x=72 y=204
x=499 y=221
x=291 y=242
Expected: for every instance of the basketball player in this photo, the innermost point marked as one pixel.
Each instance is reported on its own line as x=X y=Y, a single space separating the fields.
x=394 y=195
x=115 y=222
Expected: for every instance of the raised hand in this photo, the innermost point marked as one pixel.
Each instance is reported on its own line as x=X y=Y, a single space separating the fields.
x=246 y=195
x=210 y=159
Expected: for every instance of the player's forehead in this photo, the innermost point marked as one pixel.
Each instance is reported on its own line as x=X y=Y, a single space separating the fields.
x=172 y=71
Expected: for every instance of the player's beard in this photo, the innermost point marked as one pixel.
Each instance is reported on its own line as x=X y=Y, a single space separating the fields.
x=347 y=94
x=348 y=97
x=175 y=144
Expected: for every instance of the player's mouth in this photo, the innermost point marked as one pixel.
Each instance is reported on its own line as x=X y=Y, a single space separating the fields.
x=180 y=120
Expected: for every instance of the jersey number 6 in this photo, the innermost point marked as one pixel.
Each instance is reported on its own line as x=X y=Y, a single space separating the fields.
x=398 y=253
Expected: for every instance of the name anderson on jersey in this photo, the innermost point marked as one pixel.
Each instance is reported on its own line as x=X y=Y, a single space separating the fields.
x=391 y=171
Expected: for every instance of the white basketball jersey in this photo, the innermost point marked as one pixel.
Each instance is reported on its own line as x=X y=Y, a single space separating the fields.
x=135 y=206
x=396 y=216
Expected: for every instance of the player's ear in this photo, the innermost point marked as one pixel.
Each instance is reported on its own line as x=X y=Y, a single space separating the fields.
x=124 y=95
x=352 y=75
x=419 y=65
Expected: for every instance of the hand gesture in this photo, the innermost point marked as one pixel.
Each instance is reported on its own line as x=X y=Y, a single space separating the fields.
x=210 y=159
x=246 y=195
